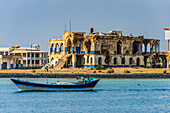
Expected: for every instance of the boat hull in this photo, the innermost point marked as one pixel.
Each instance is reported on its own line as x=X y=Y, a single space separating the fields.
x=30 y=86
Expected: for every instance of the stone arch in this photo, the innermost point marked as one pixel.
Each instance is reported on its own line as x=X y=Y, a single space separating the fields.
x=52 y=48
x=119 y=47
x=123 y=60
x=100 y=61
x=161 y=61
x=115 y=60
x=138 y=61
x=130 y=61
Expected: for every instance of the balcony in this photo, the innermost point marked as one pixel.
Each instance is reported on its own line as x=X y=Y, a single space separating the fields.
x=39 y=58
x=11 y=56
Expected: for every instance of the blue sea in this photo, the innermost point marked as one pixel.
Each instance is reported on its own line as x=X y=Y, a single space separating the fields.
x=109 y=96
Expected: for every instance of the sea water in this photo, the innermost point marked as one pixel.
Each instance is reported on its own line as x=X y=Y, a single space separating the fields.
x=109 y=96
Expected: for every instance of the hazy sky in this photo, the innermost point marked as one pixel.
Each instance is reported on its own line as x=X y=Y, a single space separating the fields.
x=26 y=22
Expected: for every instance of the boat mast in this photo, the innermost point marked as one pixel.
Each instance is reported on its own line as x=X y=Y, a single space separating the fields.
x=45 y=72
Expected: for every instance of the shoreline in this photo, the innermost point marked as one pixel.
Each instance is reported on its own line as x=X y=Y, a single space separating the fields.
x=74 y=75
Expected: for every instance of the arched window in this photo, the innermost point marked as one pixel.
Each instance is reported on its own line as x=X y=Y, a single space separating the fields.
x=119 y=48
x=123 y=60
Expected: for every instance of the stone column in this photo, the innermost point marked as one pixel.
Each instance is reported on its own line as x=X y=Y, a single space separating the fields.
x=167 y=59
x=59 y=49
x=55 y=50
x=93 y=62
x=26 y=59
x=155 y=47
x=42 y=55
x=11 y=64
x=21 y=63
x=66 y=49
x=73 y=48
x=151 y=48
x=145 y=49
x=31 y=62
x=40 y=62
x=74 y=60
x=1 y=63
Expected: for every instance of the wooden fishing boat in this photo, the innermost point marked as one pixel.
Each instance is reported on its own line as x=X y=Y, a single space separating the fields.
x=85 y=85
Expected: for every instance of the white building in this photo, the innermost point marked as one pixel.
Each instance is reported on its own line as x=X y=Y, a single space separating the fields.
x=22 y=57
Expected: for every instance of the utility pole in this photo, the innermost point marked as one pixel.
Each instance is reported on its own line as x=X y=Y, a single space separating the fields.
x=65 y=28
x=31 y=57
x=70 y=25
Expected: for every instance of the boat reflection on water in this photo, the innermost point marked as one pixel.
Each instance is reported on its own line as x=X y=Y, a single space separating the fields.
x=85 y=84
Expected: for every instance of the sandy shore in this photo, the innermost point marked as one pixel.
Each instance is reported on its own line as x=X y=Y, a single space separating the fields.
x=87 y=70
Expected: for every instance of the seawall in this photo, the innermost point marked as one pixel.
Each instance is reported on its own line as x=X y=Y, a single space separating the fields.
x=74 y=75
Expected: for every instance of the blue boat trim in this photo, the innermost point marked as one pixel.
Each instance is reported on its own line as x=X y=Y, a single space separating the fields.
x=52 y=88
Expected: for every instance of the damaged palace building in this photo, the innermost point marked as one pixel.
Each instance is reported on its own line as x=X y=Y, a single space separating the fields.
x=112 y=49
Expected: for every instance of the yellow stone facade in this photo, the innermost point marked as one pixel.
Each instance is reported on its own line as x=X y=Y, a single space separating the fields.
x=108 y=49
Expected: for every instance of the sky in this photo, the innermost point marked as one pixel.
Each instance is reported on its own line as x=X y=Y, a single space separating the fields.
x=26 y=22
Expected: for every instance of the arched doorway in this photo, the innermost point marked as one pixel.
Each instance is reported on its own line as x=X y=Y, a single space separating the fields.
x=91 y=60
x=115 y=60
x=119 y=48
x=87 y=59
x=138 y=61
x=123 y=60
x=130 y=61
x=100 y=61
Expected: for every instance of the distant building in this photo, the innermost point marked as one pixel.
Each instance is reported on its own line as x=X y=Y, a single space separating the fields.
x=22 y=57
x=167 y=37
x=107 y=49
